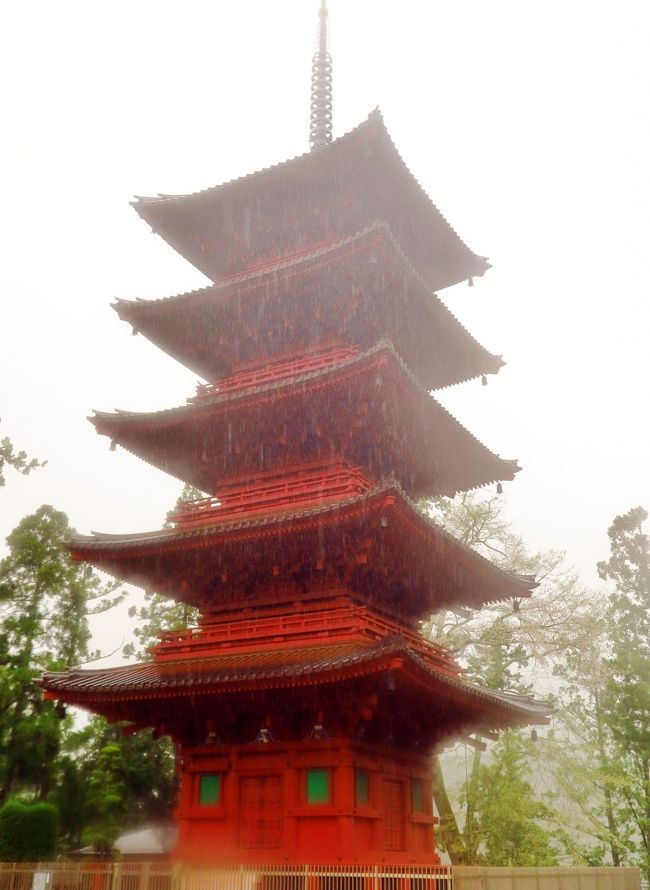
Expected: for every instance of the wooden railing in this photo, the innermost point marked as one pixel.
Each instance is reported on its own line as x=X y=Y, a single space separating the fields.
x=274 y=489
x=332 y=621
x=290 y=364
x=167 y=876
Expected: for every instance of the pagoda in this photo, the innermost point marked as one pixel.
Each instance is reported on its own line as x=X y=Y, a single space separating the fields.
x=306 y=703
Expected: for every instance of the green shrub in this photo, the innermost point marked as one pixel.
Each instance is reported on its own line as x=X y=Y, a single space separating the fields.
x=12 y=835
x=28 y=832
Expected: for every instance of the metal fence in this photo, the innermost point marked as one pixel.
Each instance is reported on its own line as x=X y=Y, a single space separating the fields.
x=485 y=878
x=175 y=876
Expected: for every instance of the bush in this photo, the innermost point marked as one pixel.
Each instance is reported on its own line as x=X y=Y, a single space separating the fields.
x=28 y=832
x=12 y=836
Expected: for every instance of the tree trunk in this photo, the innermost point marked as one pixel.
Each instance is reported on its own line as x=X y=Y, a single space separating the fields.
x=609 y=808
x=471 y=834
x=450 y=835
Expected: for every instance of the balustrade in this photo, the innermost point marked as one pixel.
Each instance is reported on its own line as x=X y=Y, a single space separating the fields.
x=274 y=489
x=291 y=364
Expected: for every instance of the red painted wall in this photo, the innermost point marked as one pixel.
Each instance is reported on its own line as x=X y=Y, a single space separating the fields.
x=263 y=813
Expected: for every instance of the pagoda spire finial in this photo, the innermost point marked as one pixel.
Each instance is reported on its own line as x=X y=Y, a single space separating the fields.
x=320 y=118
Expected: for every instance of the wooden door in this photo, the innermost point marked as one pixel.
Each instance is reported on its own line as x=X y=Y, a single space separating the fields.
x=260 y=812
x=393 y=815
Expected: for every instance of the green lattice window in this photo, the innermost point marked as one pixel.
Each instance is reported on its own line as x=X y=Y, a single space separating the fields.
x=209 y=790
x=318 y=786
x=417 y=795
x=362 y=788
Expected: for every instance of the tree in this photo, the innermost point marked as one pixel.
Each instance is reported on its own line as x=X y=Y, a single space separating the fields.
x=505 y=646
x=587 y=775
x=100 y=779
x=159 y=613
x=106 y=800
x=112 y=780
x=509 y=824
x=109 y=779
x=626 y=690
x=16 y=459
x=45 y=600
x=600 y=760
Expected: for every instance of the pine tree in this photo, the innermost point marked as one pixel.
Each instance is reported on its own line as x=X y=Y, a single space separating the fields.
x=626 y=691
x=19 y=460
x=45 y=600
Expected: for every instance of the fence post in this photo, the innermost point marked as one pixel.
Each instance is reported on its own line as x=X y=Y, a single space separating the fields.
x=177 y=872
x=116 y=878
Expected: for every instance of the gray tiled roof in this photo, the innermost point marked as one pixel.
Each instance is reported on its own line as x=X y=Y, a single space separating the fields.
x=315 y=664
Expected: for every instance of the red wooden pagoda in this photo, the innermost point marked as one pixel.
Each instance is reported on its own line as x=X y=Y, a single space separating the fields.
x=306 y=703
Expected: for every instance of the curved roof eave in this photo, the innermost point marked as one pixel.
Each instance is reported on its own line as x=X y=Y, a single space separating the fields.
x=137 y=312
x=161 y=211
x=86 y=547
x=206 y=675
x=199 y=408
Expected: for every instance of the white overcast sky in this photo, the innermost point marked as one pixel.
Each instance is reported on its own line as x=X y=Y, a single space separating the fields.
x=526 y=122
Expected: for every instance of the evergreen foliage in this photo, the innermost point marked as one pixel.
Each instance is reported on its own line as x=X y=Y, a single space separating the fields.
x=130 y=780
x=626 y=687
x=109 y=781
x=600 y=762
x=159 y=613
x=19 y=460
x=12 y=833
x=511 y=826
x=45 y=600
x=28 y=832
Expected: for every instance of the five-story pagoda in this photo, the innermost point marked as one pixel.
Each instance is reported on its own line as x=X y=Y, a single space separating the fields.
x=306 y=704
